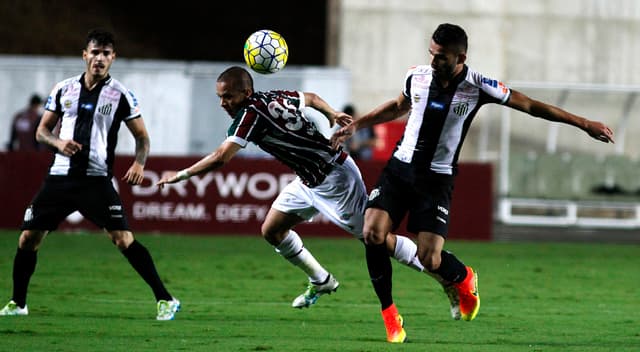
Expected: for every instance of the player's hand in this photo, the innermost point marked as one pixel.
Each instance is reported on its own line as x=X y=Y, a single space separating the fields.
x=341 y=135
x=135 y=174
x=343 y=119
x=167 y=177
x=600 y=131
x=68 y=147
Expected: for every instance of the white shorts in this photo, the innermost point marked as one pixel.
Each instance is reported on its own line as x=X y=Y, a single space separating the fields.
x=341 y=198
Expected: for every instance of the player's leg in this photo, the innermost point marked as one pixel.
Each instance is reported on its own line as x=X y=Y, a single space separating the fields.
x=377 y=225
x=140 y=259
x=48 y=208
x=429 y=217
x=404 y=250
x=459 y=281
x=24 y=265
x=386 y=207
x=277 y=230
x=101 y=204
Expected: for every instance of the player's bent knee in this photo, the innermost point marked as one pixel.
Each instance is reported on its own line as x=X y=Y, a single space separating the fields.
x=374 y=237
x=122 y=239
x=30 y=239
x=430 y=262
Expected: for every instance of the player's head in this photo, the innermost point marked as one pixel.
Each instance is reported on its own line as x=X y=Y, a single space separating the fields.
x=234 y=86
x=448 y=50
x=349 y=109
x=451 y=36
x=99 y=52
x=35 y=100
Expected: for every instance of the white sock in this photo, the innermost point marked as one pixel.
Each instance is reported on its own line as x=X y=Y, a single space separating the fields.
x=292 y=249
x=406 y=252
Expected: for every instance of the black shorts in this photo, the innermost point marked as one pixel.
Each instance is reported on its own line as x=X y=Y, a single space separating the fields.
x=94 y=197
x=426 y=199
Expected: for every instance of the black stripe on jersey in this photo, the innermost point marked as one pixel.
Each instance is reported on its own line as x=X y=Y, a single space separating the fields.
x=435 y=116
x=84 y=122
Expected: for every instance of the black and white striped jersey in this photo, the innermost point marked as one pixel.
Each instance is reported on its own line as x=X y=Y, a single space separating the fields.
x=440 y=117
x=91 y=118
x=274 y=121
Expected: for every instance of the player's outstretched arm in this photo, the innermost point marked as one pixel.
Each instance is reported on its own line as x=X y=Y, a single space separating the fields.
x=387 y=111
x=595 y=129
x=225 y=152
x=315 y=101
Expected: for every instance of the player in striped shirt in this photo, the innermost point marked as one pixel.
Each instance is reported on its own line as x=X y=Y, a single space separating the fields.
x=442 y=99
x=90 y=109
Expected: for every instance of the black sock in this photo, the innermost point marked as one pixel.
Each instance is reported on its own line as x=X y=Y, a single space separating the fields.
x=141 y=260
x=380 y=272
x=451 y=269
x=24 y=264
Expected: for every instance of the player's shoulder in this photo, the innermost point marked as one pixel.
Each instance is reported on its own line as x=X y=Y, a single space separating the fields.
x=119 y=88
x=68 y=82
x=478 y=79
x=116 y=85
x=420 y=69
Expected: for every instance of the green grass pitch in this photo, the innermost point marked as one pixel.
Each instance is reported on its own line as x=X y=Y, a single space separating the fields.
x=236 y=294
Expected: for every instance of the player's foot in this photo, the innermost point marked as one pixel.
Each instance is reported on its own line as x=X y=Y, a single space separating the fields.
x=394 y=323
x=454 y=301
x=167 y=309
x=468 y=296
x=12 y=308
x=314 y=291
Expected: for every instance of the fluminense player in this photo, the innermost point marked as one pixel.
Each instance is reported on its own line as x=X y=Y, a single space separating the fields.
x=442 y=99
x=90 y=108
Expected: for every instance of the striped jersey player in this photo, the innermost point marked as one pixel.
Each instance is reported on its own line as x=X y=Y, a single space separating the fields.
x=441 y=99
x=89 y=108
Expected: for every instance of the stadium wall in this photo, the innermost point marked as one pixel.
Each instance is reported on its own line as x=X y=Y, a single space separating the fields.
x=233 y=200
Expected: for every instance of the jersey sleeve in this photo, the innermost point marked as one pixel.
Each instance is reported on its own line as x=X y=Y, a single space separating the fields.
x=302 y=101
x=53 y=101
x=406 y=89
x=492 y=87
x=133 y=109
x=244 y=127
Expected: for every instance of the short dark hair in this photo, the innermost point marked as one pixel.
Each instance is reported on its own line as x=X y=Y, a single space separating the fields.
x=448 y=34
x=35 y=100
x=238 y=77
x=349 y=109
x=100 y=37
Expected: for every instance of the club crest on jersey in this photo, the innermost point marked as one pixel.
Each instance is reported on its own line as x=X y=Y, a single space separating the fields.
x=105 y=109
x=461 y=109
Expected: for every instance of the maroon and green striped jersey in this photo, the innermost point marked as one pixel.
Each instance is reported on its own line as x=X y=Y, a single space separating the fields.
x=275 y=122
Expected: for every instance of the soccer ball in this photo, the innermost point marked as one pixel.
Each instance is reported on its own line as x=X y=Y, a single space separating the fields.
x=265 y=51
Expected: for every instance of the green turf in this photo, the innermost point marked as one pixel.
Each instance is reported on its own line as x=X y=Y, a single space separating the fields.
x=236 y=294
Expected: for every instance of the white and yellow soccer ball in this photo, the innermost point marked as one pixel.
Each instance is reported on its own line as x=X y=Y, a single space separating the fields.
x=266 y=51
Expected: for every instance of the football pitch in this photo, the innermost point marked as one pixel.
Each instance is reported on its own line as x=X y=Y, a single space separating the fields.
x=236 y=294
